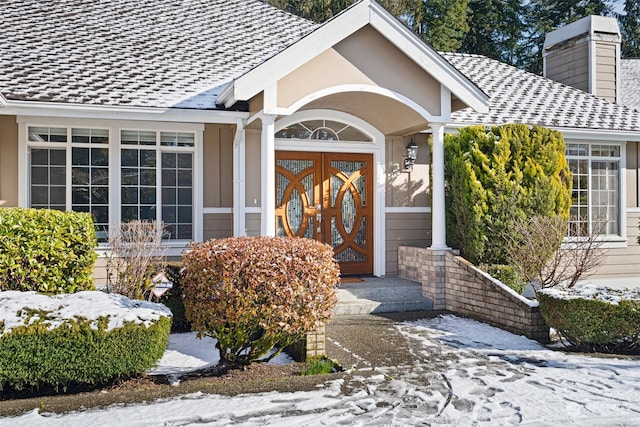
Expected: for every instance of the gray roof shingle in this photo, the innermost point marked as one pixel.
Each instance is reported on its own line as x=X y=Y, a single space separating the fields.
x=630 y=82
x=181 y=54
x=145 y=53
x=517 y=96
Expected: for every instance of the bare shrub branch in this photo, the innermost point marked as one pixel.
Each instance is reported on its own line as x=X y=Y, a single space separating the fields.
x=537 y=251
x=136 y=249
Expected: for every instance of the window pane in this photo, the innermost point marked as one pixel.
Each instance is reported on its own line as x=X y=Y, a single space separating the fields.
x=57 y=175
x=177 y=191
x=80 y=176
x=80 y=156
x=100 y=157
x=134 y=137
x=177 y=139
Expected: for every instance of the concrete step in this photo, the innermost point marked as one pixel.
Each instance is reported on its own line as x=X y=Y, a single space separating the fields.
x=387 y=294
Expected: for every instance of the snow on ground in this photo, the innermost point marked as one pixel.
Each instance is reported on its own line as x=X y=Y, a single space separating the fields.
x=464 y=373
x=187 y=353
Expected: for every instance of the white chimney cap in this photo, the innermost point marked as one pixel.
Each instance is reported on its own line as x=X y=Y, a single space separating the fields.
x=588 y=25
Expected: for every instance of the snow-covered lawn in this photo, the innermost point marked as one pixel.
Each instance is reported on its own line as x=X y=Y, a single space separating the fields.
x=465 y=373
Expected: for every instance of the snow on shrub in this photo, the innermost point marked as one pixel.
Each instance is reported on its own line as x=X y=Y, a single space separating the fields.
x=594 y=318
x=88 y=337
x=255 y=294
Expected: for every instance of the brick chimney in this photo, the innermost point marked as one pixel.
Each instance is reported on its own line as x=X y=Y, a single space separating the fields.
x=586 y=55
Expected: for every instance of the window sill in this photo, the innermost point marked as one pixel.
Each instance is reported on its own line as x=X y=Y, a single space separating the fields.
x=608 y=242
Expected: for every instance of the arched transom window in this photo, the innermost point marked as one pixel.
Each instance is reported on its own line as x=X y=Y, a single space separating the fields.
x=323 y=130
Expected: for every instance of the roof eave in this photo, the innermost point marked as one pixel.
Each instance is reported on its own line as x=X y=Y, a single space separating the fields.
x=110 y=112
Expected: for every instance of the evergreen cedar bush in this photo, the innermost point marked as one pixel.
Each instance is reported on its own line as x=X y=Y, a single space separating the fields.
x=497 y=174
x=592 y=324
x=33 y=356
x=46 y=251
x=255 y=294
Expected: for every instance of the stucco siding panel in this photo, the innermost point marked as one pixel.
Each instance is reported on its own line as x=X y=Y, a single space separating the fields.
x=217 y=226
x=621 y=262
x=218 y=165
x=351 y=62
x=8 y=161
x=252 y=224
x=407 y=189
x=405 y=229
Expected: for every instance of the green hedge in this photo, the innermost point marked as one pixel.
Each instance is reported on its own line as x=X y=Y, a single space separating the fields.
x=46 y=251
x=600 y=321
x=47 y=349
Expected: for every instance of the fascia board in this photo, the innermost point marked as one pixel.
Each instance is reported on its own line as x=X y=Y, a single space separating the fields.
x=299 y=53
x=47 y=109
x=603 y=135
x=3 y=101
x=429 y=60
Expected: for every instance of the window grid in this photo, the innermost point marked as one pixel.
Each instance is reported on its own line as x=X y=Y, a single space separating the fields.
x=70 y=168
x=596 y=183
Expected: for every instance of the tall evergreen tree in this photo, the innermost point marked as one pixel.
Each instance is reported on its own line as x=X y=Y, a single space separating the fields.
x=630 y=29
x=544 y=16
x=495 y=28
x=441 y=23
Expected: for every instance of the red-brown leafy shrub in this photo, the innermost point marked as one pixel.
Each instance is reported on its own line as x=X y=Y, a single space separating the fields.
x=255 y=294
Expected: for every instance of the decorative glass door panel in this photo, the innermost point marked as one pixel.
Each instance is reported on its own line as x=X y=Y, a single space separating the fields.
x=327 y=196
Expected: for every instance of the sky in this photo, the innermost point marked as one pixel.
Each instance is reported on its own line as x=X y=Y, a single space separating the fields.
x=465 y=373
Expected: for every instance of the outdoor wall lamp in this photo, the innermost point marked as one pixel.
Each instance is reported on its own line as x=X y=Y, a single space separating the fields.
x=412 y=153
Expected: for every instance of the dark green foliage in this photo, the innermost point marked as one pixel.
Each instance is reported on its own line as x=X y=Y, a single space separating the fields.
x=630 y=29
x=173 y=299
x=495 y=28
x=441 y=23
x=593 y=325
x=507 y=275
x=46 y=250
x=255 y=294
x=319 y=366
x=496 y=175
x=74 y=353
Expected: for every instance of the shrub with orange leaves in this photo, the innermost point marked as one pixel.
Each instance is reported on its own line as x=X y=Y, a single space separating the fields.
x=257 y=294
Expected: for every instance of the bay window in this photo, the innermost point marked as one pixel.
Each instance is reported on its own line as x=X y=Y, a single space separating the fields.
x=596 y=190
x=116 y=174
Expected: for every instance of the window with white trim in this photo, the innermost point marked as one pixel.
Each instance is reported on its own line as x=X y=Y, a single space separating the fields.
x=595 y=196
x=73 y=168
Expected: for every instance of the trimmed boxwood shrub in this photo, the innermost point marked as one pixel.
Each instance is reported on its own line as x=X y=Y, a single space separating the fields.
x=88 y=337
x=46 y=250
x=255 y=294
x=594 y=319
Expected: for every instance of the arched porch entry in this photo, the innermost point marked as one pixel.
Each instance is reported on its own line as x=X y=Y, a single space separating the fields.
x=329 y=185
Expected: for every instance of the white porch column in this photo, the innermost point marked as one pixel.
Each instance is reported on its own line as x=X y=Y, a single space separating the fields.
x=438 y=219
x=239 y=171
x=268 y=178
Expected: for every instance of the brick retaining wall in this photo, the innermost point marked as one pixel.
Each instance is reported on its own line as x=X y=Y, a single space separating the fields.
x=456 y=285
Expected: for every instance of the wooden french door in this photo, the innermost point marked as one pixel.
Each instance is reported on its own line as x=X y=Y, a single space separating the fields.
x=328 y=197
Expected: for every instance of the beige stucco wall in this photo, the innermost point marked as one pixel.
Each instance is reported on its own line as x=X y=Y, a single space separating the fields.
x=405 y=229
x=408 y=189
x=8 y=161
x=568 y=63
x=252 y=175
x=217 y=226
x=606 y=70
x=218 y=165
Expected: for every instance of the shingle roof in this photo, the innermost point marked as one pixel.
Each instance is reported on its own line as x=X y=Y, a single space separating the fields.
x=147 y=53
x=630 y=82
x=521 y=97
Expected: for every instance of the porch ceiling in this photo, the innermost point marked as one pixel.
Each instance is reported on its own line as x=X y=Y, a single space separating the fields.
x=389 y=116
